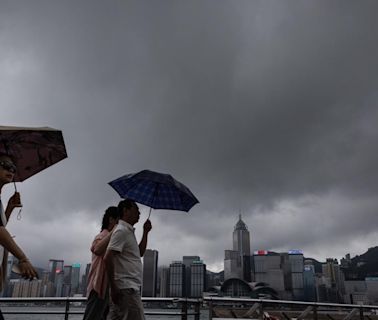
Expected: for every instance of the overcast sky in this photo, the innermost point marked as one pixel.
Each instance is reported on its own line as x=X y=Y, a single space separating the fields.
x=268 y=108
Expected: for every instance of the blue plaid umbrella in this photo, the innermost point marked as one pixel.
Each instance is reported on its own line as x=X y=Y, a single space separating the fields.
x=156 y=190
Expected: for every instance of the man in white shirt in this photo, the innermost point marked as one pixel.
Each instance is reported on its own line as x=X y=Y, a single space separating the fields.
x=124 y=265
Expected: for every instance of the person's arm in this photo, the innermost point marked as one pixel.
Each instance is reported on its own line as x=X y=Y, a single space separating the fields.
x=99 y=245
x=109 y=266
x=13 y=202
x=143 y=242
x=6 y=240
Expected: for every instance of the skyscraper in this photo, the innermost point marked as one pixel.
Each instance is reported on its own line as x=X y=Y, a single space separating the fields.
x=84 y=282
x=164 y=282
x=150 y=268
x=241 y=244
x=55 y=267
x=309 y=284
x=237 y=262
x=59 y=279
x=197 y=279
x=297 y=267
x=188 y=261
x=177 y=279
x=66 y=291
x=75 y=279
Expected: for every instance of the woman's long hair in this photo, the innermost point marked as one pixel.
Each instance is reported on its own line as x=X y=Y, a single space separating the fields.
x=111 y=212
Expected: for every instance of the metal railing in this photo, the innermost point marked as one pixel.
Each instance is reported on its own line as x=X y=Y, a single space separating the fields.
x=299 y=310
x=191 y=308
x=185 y=307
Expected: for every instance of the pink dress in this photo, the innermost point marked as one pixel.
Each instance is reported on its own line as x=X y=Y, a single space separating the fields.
x=97 y=278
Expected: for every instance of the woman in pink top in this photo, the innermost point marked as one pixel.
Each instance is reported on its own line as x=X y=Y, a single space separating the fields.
x=97 y=290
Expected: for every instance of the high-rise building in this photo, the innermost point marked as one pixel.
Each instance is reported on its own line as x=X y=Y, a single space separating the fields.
x=150 y=273
x=268 y=269
x=177 y=279
x=84 y=283
x=67 y=274
x=66 y=290
x=281 y=271
x=164 y=282
x=296 y=267
x=47 y=286
x=188 y=261
x=35 y=288
x=75 y=279
x=54 y=268
x=237 y=262
x=11 y=261
x=241 y=244
x=232 y=265
x=334 y=281
x=25 y=288
x=309 y=281
x=197 y=279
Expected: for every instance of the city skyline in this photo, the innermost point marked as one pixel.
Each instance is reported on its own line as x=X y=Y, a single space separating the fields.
x=263 y=274
x=263 y=107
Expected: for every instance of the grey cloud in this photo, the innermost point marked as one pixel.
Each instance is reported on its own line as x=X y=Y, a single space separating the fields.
x=251 y=104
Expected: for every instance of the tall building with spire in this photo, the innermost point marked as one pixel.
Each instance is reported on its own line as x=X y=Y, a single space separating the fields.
x=237 y=262
x=240 y=236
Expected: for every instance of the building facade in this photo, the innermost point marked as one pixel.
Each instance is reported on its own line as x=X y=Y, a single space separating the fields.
x=237 y=262
x=177 y=279
x=150 y=273
x=197 y=279
x=164 y=282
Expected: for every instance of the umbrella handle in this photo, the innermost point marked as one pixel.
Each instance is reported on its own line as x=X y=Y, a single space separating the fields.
x=19 y=212
x=149 y=213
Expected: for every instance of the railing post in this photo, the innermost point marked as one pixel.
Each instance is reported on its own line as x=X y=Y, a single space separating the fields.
x=361 y=313
x=67 y=310
x=184 y=309
x=315 y=312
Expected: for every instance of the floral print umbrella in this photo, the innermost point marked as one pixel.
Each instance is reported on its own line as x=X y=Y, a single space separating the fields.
x=32 y=149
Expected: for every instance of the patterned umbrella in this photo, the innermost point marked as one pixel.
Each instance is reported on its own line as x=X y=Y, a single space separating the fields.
x=156 y=190
x=32 y=149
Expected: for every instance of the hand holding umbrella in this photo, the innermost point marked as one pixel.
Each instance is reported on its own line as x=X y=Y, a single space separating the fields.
x=147 y=226
x=31 y=150
x=14 y=202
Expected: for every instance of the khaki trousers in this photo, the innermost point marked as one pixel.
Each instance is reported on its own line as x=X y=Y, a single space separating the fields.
x=130 y=306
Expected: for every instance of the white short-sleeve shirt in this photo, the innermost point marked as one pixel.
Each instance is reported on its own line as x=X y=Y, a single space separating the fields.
x=127 y=264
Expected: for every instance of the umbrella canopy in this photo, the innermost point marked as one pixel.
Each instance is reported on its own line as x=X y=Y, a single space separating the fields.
x=32 y=149
x=156 y=190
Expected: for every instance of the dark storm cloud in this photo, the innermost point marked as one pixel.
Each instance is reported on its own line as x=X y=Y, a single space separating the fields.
x=257 y=106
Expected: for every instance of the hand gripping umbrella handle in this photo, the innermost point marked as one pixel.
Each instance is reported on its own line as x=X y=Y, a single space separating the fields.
x=19 y=212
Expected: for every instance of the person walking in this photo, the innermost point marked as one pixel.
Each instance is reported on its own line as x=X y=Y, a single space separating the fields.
x=7 y=171
x=124 y=265
x=98 y=288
